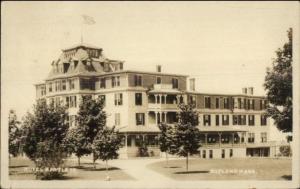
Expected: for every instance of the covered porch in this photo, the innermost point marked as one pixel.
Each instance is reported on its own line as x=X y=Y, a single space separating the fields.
x=222 y=137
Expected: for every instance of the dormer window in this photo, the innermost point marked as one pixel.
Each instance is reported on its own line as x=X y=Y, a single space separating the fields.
x=75 y=63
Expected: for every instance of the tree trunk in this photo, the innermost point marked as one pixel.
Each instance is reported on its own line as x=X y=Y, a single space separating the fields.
x=106 y=166
x=94 y=160
x=78 y=160
x=187 y=162
x=167 y=160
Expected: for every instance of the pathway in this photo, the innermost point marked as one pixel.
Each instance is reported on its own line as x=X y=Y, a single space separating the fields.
x=138 y=169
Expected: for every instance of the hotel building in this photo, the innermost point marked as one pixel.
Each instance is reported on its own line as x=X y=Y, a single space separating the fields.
x=136 y=101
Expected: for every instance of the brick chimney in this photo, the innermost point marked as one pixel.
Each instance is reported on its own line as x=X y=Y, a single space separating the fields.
x=192 y=84
x=250 y=90
x=158 y=68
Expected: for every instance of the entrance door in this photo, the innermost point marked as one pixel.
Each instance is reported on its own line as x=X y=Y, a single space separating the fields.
x=223 y=153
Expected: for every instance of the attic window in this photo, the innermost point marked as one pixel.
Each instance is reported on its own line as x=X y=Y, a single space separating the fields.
x=75 y=63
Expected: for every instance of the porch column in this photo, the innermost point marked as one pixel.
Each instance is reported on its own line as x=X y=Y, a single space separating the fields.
x=177 y=98
x=160 y=98
x=126 y=141
x=205 y=138
x=220 y=138
x=240 y=137
x=160 y=117
x=232 y=139
x=165 y=99
x=155 y=101
x=166 y=117
x=157 y=118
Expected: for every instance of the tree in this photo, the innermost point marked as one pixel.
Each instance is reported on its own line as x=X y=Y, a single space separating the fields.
x=106 y=144
x=14 y=134
x=75 y=143
x=278 y=84
x=186 y=132
x=91 y=120
x=167 y=140
x=44 y=132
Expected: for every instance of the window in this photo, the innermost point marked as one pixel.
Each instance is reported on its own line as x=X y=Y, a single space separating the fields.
x=207 y=102
x=73 y=101
x=244 y=119
x=217 y=120
x=251 y=120
x=242 y=104
x=206 y=119
x=50 y=87
x=263 y=137
x=138 y=99
x=102 y=83
x=57 y=86
x=64 y=87
x=117 y=119
x=263 y=120
x=239 y=103
x=226 y=103
x=251 y=104
x=234 y=119
x=57 y=101
x=225 y=119
x=102 y=97
x=262 y=104
x=118 y=99
x=158 y=80
x=230 y=153
x=87 y=84
x=251 y=137
x=137 y=80
x=241 y=119
x=210 y=154
x=217 y=103
x=245 y=104
x=140 y=118
x=175 y=83
x=204 y=154
x=72 y=120
x=67 y=101
x=192 y=99
x=71 y=84
x=115 y=81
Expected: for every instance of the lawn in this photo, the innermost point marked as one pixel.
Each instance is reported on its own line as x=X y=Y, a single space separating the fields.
x=18 y=170
x=226 y=169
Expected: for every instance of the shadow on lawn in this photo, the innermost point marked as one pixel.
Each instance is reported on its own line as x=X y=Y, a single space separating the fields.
x=190 y=172
x=172 y=167
x=92 y=169
x=18 y=166
x=287 y=177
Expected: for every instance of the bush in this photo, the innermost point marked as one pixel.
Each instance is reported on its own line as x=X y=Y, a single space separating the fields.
x=285 y=151
x=49 y=175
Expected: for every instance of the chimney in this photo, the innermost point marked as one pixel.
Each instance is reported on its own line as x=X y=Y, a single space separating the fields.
x=244 y=91
x=158 y=68
x=250 y=90
x=192 y=84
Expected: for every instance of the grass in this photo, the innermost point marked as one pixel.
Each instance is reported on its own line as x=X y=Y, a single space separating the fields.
x=18 y=170
x=215 y=169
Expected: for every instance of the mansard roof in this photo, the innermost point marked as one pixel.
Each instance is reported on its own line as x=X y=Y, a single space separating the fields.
x=82 y=59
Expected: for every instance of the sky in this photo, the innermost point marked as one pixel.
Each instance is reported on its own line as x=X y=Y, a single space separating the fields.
x=225 y=45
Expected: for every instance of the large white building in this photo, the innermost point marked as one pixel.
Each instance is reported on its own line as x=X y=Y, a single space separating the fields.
x=135 y=102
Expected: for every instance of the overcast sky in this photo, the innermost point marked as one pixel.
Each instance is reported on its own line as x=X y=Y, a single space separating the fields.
x=225 y=45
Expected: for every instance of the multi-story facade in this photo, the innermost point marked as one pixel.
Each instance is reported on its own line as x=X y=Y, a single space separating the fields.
x=135 y=102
